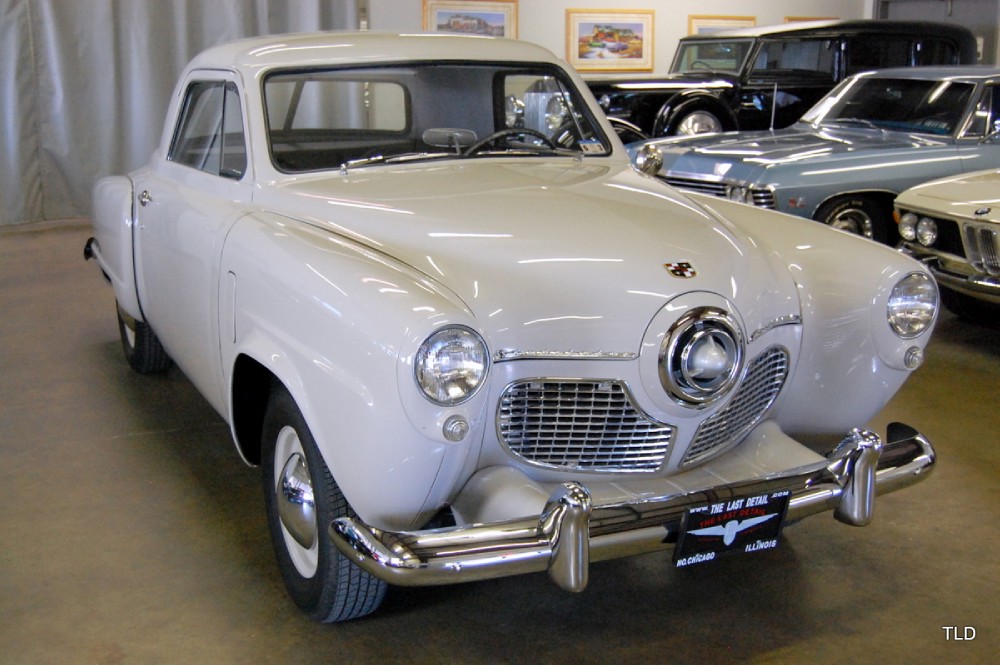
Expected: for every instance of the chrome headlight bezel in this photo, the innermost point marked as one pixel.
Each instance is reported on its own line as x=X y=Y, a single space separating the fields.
x=451 y=365
x=912 y=305
x=709 y=332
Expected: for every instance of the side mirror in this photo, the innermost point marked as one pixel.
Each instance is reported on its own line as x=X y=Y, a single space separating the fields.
x=649 y=159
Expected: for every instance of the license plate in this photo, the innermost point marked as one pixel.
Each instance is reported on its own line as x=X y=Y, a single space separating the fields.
x=734 y=526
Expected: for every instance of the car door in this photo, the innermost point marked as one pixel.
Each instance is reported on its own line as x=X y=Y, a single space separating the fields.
x=186 y=201
x=786 y=77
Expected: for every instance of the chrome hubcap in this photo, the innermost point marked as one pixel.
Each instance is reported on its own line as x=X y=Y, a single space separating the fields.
x=699 y=122
x=296 y=504
x=853 y=220
x=295 y=501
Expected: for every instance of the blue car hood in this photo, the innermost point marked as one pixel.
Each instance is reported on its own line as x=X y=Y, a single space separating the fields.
x=716 y=155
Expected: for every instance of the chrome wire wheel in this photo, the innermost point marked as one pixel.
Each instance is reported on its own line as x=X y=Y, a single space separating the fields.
x=293 y=490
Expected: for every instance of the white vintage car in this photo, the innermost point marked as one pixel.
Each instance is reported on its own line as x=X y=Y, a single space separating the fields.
x=464 y=338
x=952 y=226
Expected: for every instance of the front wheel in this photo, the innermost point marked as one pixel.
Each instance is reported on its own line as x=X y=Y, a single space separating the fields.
x=301 y=499
x=862 y=215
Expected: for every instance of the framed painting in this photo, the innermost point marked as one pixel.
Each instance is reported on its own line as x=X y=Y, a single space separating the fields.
x=611 y=40
x=484 y=17
x=700 y=25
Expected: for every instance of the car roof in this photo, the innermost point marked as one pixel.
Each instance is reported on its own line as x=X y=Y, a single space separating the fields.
x=839 y=28
x=955 y=72
x=335 y=47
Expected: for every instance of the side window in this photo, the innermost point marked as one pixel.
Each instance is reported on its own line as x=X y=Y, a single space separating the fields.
x=936 y=52
x=209 y=134
x=798 y=55
x=865 y=53
x=986 y=119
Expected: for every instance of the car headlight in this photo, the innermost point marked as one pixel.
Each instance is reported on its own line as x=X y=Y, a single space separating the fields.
x=912 y=305
x=927 y=232
x=908 y=226
x=450 y=365
x=555 y=113
x=739 y=193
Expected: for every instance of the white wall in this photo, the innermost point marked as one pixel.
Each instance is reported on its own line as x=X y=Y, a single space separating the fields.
x=544 y=21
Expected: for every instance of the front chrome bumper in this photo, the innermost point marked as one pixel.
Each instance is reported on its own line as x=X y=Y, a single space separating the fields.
x=975 y=284
x=571 y=531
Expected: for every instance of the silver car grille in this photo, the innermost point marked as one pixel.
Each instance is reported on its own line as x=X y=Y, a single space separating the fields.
x=762 y=198
x=982 y=247
x=580 y=425
x=760 y=386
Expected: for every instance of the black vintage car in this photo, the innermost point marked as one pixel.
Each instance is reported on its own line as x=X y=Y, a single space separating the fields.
x=767 y=77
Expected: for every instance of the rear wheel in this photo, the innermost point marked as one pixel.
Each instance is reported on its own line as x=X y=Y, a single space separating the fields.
x=865 y=216
x=142 y=348
x=302 y=499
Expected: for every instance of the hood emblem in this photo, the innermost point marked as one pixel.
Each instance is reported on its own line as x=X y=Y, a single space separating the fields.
x=683 y=269
x=983 y=211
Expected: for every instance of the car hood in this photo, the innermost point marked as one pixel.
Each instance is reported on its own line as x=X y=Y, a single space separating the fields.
x=562 y=250
x=796 y=145
x=974 y=196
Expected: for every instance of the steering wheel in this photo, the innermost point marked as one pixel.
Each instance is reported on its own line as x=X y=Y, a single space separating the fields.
x=513 y=131
x=700 y=64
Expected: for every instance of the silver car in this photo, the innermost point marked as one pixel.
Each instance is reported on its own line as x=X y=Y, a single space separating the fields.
x=845 y=161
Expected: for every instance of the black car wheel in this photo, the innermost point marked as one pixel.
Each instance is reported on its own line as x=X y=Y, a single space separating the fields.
x=141 y=346
x=862 y=215
x=302 y=499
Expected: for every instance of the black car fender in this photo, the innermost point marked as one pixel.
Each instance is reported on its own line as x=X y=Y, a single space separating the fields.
x=680 y=105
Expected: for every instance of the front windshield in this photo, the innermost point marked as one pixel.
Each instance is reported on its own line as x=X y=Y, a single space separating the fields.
x=715 y=55
x=345 y=118
x=920 y=106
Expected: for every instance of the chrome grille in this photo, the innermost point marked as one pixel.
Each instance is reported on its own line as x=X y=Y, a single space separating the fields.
x=982 y=245
x=700 y=186
x=763 y=381
x=580 y=425
x=762 y=198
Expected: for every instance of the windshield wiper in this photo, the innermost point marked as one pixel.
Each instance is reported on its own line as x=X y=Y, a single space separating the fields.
x=392 y=159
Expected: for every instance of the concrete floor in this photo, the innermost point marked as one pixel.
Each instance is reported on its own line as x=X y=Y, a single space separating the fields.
x=130 y=531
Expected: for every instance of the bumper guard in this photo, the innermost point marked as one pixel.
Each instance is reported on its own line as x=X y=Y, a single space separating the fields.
x=571 y=532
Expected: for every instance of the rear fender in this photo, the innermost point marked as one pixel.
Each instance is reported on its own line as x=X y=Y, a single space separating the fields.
x=113 y=224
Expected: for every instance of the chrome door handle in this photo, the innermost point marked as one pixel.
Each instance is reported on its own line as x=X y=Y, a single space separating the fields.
x=145 y=198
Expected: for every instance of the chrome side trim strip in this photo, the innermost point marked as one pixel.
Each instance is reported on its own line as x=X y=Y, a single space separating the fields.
x=788 y=320
x=517 y=354
x=571 y=532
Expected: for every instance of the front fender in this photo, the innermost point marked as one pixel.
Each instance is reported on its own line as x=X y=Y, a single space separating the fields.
x=850 y=362
x=335 y=321
x=689 y=100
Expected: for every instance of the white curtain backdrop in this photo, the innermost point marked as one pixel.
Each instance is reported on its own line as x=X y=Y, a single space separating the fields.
x=84 y=84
